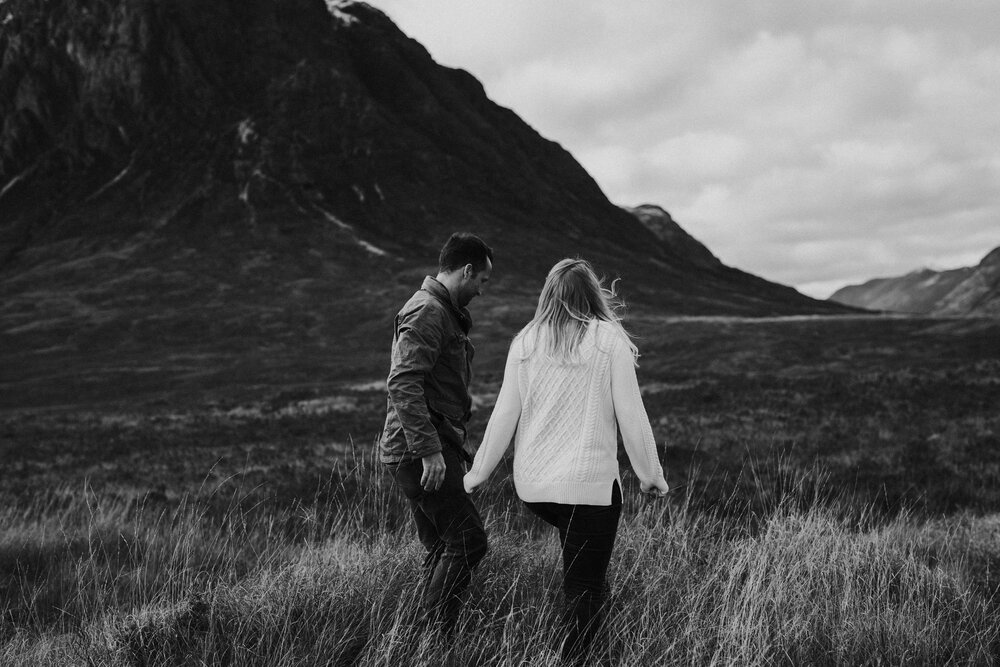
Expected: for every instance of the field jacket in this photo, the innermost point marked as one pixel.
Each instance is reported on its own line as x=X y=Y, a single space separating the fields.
x=429 y=403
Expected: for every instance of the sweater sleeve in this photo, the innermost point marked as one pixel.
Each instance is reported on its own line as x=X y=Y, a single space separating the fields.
x=630 y=413
x=502 y=425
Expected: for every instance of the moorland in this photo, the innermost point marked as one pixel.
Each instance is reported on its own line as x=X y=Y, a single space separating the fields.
x=834 y=502
x=210 y=213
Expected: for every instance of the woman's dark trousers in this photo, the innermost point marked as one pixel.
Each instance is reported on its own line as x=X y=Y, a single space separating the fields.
x=587 y=535
x=451 y=530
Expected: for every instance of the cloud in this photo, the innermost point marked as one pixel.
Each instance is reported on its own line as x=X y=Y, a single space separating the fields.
x=811 y=143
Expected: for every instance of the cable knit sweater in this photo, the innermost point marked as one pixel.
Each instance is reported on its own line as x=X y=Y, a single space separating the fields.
x=562 y=419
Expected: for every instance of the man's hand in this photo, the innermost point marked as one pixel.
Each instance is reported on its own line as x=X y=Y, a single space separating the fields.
x=434 y=468
x=658 y=489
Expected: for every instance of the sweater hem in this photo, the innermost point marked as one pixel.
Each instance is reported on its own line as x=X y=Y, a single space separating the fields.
x=567 y=493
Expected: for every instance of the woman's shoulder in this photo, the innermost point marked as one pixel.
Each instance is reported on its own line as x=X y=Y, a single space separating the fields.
x=610 y=331
x=613 y=340
x=524 y=340
x=524 y=334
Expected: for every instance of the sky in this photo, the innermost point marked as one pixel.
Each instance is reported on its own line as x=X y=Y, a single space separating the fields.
x=815 y=143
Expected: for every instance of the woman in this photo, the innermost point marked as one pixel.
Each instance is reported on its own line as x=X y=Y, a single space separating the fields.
x=569 y=377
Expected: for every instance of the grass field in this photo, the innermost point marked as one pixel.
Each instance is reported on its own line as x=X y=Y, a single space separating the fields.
x=835 y=503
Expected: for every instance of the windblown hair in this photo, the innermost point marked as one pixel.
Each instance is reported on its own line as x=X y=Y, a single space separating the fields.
x=572 y=298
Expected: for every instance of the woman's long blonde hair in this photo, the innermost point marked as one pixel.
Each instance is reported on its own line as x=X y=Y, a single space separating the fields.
x=573 y=297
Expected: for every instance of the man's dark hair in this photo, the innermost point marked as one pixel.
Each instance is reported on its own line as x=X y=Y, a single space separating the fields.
x=464 y=248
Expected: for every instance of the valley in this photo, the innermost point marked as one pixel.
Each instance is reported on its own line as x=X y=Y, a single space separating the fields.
x=895 y=411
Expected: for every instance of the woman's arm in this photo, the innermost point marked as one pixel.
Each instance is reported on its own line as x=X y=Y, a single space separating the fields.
x=501 y=427
x=637 y=434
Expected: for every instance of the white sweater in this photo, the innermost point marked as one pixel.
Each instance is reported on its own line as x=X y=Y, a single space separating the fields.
x=562 y=418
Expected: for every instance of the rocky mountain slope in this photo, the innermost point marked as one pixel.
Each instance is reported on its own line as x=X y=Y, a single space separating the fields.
x=660 y=222
x=968 y=291
x=916 y=292
x=979 y=294
x=206 y=187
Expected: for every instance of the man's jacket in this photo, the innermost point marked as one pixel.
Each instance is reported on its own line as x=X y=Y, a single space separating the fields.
x=429 y=402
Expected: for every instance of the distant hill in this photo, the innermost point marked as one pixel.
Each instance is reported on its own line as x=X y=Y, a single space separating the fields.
x=916 y=292
x=968 y=291
x=268 y=179
x=979 y=294
x=662 y=224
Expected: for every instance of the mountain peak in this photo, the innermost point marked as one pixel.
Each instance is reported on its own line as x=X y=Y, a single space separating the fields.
x=991 y=258
x=652 y=209
x=661 y=223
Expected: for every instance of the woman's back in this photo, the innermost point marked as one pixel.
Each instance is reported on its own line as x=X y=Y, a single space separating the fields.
x=568 y=383
x=565 y=447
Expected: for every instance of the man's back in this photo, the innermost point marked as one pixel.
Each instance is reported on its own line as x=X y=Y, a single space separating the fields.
x=428 y=383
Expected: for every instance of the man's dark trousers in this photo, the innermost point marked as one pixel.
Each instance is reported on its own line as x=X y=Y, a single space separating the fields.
x=450 y=528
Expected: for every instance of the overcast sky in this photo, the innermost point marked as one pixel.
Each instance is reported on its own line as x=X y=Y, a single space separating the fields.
x=814 y=143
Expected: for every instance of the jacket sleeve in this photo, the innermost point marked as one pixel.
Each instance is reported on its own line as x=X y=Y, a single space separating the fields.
x=419 y=338
x=637 y=434
x=502 y=425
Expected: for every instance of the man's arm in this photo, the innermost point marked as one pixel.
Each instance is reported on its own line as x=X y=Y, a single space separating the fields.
x=418 y=345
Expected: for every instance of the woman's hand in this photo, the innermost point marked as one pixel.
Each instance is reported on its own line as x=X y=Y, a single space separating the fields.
x=470 y=483
x=659 y=488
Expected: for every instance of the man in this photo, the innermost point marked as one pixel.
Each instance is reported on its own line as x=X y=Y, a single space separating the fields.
x=429 y=405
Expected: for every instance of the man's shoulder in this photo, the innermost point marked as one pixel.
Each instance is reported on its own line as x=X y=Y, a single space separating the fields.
x=423 y=308
x=422 y=300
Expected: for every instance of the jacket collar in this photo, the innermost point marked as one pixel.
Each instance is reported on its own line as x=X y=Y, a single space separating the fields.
x=433 y=287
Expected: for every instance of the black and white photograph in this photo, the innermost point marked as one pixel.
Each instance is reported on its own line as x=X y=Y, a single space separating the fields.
x=477 y=334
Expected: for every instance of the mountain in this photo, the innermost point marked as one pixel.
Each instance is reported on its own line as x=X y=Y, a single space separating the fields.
x=658 y=221
x=205 y=189
x=968 y=291
x=979 y=294
x=727 y=290
x=916 y=292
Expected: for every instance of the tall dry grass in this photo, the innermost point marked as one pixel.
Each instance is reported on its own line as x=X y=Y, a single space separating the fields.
x=333 y=581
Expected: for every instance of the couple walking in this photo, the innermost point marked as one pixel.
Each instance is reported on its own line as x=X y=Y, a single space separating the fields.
x=569 y=380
